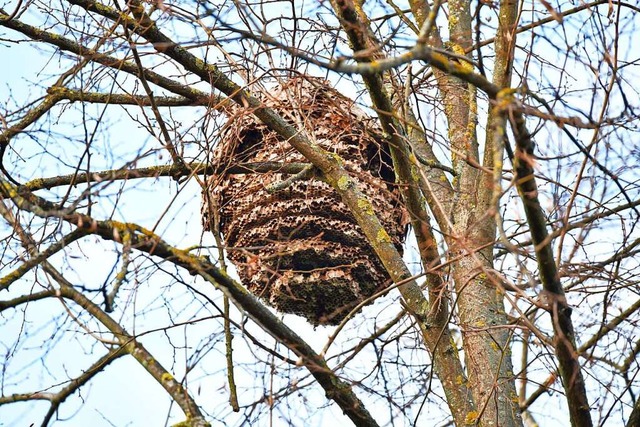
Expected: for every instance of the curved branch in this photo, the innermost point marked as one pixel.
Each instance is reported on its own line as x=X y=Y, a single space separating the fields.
x=24 y=299
x=173 y=171
x=218 y=103
x=74 y=95
x=434 y=326
x=133 y=347
x=128 y=343
x=564 y=334
x=36 y=259
x=58 y=398
x=146 y=241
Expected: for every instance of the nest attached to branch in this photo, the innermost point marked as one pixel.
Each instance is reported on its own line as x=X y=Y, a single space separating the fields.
x=297 y=246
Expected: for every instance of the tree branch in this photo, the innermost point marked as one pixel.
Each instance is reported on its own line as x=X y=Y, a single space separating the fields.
x=146 y=241
x=66 y=290
x=37 y=258
x=434 y=326
x=218 y=103
x=74 y=95
x=564 y=334
x=173 y=171
x=74 y=385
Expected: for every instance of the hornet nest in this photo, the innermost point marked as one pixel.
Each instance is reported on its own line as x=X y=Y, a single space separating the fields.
x=297 y=246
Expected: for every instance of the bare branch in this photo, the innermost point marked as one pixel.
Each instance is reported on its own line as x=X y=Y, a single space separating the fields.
x=146 y=241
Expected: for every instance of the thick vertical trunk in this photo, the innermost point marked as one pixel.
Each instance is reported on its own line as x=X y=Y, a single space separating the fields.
x=479 y=299
x=470 y=234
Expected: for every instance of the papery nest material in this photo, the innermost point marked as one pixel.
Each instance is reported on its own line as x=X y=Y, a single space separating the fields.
x=299 y=248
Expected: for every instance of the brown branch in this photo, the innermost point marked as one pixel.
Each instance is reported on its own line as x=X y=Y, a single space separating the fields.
x=138 y=351
x=562 y=14
x=434 y=323
x=166 y=138
x=28 y=119
x=353 y=352
x=66 y=290
x=37 y=258
x=214 y=211
x=542 y=389
x=49 y=101
x=171 y=171
x=146 y=241
x=564 y=334
x=440 y=59
x=25 y=397
x=228 y=337
x=611 y=326
x=584 y=348
x=58 y=398
x=582 y=222
x=305 y=174
x=218 y=103
x=24 y=299
x=74 y=95
x=110 y=298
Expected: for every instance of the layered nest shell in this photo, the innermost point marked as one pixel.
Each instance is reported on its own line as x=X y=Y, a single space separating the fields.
x=299 y=247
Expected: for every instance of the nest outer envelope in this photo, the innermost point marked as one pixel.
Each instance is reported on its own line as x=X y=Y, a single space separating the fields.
x=300 y=249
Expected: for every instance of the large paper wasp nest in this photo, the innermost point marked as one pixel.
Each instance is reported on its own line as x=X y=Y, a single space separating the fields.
x=299 y=247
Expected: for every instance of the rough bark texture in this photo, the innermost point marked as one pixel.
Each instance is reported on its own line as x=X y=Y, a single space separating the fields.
x=405 y=145
x=479 y=300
